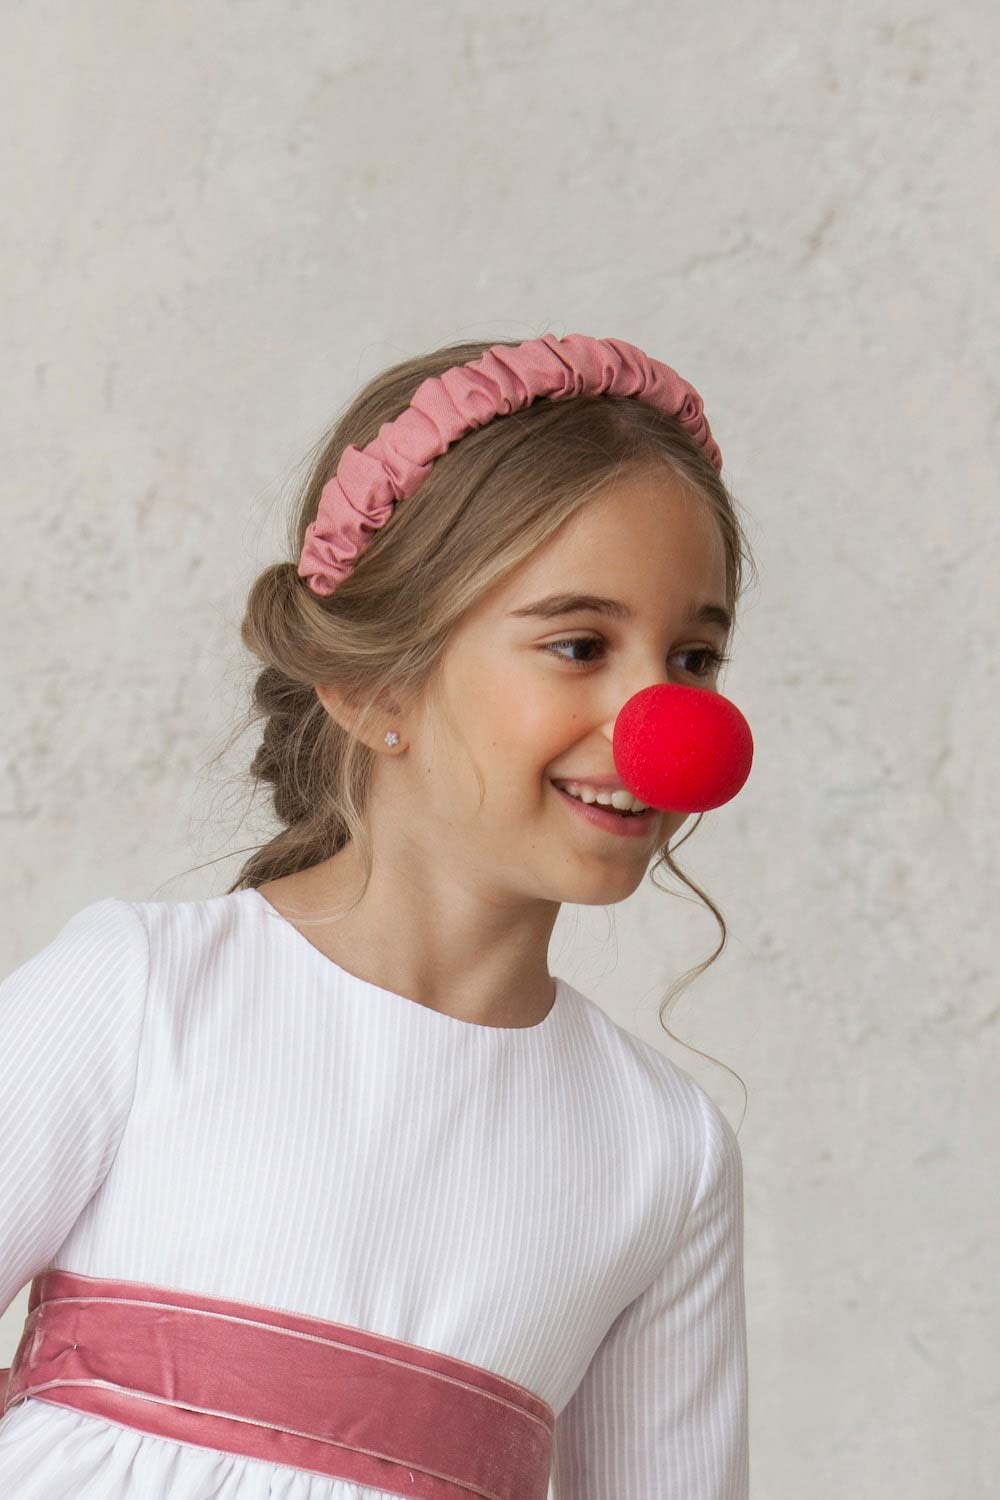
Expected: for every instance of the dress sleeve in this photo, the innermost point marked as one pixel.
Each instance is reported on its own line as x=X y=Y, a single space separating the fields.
x=70 y=1026
x=661 y=1413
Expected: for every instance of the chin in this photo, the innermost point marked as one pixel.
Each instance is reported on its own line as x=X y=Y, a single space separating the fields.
x=602 y=887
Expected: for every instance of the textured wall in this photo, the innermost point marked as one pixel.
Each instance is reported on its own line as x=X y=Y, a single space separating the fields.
x=221 y=218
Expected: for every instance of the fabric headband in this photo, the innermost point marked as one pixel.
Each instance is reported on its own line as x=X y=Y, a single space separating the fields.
x=362 y=494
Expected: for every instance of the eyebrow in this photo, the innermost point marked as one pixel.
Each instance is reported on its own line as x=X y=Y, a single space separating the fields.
x=556 y=605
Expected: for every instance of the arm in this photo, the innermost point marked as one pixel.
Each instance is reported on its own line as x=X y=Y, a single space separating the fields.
x=70 y=1026
x=661 y=1413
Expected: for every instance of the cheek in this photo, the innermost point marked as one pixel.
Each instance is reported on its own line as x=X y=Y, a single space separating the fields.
x=522 y=720
x=523 y=708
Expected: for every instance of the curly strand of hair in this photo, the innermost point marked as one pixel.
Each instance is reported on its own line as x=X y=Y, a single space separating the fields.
x=666 y=858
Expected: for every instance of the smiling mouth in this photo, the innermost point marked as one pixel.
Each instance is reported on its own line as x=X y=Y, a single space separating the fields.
x=603 y=816
x=604 y=806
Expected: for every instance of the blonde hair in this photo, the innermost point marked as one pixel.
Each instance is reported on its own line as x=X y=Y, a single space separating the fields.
x=486 y=505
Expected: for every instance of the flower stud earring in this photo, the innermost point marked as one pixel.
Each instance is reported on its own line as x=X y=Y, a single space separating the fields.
x=392 y=738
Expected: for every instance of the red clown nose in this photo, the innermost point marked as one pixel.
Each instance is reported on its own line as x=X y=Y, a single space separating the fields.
x=681 y=749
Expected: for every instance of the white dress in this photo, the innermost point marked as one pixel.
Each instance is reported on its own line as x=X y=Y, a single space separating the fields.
x=193 y=1096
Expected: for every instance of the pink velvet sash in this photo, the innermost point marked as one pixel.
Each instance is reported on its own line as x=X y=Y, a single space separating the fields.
x=266 y=1383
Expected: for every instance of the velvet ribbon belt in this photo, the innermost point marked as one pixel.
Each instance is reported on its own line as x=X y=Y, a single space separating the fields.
x=263 y=1382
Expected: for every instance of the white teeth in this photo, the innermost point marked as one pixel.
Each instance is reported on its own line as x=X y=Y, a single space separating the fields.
x=622 y=801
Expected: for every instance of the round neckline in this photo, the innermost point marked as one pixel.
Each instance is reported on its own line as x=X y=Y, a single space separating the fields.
x=545 y=1023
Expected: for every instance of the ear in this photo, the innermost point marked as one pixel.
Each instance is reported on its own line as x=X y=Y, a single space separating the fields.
x=345 y=712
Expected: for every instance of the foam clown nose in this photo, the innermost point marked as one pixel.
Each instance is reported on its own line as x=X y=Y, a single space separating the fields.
x=681 y=749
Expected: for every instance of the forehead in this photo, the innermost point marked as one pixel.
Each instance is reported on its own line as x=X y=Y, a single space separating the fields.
x=641 y=536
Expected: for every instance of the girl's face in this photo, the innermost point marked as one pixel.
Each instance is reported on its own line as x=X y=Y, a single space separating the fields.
x=526 y=698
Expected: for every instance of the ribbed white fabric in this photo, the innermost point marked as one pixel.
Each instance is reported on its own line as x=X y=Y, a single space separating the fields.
x=192 y=1095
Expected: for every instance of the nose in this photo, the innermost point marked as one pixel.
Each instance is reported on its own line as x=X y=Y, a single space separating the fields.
x=682 y=749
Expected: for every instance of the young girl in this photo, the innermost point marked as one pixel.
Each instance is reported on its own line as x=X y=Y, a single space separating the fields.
x=325 y=1187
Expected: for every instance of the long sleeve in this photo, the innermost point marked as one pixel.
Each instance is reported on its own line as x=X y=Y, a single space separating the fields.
x=71 y=1021
x=662 y=1410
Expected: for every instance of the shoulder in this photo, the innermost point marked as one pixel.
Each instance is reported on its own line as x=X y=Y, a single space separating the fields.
x=88 y=982
x=660 y=1095
x=192 y=924
x=100 y=939
x=117 y=946
x=632 y=1058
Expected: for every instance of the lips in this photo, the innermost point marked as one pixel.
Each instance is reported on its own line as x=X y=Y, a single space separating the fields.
x=611 y=822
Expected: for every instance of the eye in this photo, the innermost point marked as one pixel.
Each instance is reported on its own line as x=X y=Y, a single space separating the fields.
x=711 y=658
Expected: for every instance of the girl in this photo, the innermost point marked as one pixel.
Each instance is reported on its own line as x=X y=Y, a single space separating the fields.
x=326 y=1188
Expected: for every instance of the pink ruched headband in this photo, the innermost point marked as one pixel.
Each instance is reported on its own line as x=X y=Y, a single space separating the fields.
x=362 y=495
